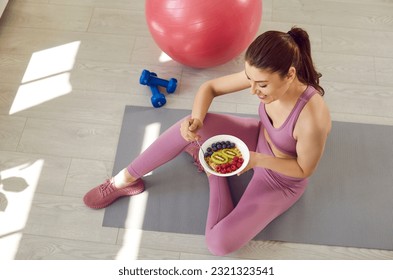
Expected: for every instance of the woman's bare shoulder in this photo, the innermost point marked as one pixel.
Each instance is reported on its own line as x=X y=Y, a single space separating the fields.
x=315 y=115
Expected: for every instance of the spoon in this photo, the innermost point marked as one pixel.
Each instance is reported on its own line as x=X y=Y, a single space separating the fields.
x=200 y=146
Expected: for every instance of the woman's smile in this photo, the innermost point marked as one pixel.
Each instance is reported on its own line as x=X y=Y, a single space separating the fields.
x=261 y=96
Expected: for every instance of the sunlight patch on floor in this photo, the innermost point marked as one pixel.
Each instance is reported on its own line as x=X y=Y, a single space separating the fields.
x=47 y=76
x=17 y=185
x=134 y=222
x=137 y=205
x=152 y=131
x=164 y=58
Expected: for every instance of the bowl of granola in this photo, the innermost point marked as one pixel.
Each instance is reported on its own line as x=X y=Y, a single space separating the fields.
x=224 y=155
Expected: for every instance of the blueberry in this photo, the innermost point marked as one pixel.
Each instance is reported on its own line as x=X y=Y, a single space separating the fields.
x=224 y=146
x=207 y=154
x=214 y=148
x=209 y=149
x=219 y=146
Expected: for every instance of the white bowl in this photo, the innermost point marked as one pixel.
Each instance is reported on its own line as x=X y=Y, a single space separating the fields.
x=223 y=137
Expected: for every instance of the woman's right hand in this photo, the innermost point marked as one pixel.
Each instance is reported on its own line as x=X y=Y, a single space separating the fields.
x=189 y=129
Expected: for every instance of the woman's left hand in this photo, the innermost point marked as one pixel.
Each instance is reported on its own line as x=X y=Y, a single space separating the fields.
x=251 y=163
x=256 y=159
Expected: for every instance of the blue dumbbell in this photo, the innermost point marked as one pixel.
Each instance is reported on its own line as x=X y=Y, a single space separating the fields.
x=150 y=79
x=157 y=99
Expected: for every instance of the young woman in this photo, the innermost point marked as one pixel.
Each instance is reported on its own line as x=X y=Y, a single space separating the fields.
x=286 y=143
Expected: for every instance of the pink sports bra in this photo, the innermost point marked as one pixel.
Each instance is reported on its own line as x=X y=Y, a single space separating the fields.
x=282 y=137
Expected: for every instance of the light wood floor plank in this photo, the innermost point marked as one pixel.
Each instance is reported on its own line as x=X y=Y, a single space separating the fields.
x=85 y=174
x=48 y=248
x=91 y=46
x=105 y=76
x=85 y=140
x=369 y=16
x=52 y=176
x=349 y=41
x=12 y=68
x=118 y=22
x=40 y=15
x=384 y=71
x=8 y=92
x=117 y=4
x=345 y=68
x=11 y=131
x=85 y=107
x=67 y=217
x=359 y=99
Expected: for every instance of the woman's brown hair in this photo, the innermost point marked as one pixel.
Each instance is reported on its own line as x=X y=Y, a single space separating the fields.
x=277 y=51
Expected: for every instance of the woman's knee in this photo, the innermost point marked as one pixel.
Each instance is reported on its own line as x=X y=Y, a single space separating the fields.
x=219 y=245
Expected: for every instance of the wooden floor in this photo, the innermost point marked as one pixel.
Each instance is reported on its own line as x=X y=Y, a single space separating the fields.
x=68 y=68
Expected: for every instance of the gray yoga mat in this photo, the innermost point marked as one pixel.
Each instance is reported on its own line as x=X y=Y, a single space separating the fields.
x=348 y=201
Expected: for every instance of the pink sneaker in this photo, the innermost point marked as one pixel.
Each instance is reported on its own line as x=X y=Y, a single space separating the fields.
x=106 y=193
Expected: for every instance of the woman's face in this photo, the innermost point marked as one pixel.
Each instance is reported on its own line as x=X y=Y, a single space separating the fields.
x=266 y=85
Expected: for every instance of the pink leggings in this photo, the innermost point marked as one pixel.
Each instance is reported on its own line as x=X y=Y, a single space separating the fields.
x=267 y=195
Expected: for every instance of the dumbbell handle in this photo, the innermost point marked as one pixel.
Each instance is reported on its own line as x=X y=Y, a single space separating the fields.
x=158 y=81
x=157 y=99
x=151 y=79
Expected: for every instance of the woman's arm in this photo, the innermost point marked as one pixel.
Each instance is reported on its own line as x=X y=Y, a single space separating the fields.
x=311 y=132
x=204 y=97
x=310 y=147
x=216 y=87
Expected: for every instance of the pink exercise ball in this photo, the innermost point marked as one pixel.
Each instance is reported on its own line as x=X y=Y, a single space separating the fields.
x=203 y=33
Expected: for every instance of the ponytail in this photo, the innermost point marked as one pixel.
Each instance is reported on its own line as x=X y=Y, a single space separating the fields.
x=278 y=51
x=304 y=65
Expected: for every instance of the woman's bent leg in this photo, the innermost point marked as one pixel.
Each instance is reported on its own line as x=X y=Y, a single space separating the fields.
x=166 y=147
x=170 y=144
x=227 y=229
